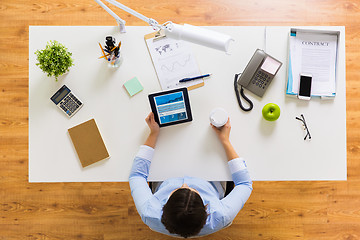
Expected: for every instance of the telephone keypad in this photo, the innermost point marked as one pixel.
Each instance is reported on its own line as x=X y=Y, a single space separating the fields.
x=261 y=79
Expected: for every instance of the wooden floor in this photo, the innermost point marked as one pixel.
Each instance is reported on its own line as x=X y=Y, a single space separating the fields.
x=275 y=210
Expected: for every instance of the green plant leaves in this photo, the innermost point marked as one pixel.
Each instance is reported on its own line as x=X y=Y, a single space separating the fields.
x=55 y=59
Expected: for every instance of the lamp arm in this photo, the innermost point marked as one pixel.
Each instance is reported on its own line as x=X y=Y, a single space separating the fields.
x=186 y=32
x=120 y=21
x=150 y=21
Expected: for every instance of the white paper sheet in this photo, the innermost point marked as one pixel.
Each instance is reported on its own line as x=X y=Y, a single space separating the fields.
x=173 y=60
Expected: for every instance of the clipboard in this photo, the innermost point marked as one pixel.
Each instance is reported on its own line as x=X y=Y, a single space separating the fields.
x=173 y=60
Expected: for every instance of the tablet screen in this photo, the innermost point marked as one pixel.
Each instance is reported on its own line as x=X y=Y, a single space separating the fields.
x=171 y=107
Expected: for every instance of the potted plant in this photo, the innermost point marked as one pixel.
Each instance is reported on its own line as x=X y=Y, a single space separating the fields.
x=55 y=59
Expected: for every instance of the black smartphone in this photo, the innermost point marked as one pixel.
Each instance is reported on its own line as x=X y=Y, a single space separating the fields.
x=305 y=86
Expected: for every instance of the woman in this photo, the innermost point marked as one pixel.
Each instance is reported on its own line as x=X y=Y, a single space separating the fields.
x=188 y=206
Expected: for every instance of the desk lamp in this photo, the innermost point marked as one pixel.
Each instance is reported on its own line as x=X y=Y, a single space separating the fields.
x=169 y=29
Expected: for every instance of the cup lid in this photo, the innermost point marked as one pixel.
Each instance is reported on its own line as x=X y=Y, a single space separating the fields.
x=218 y=117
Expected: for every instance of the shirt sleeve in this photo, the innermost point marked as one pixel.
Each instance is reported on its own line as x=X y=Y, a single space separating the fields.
x=236 y=199
x=140 y=190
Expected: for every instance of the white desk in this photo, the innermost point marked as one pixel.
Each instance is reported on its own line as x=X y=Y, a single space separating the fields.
x=273 y=150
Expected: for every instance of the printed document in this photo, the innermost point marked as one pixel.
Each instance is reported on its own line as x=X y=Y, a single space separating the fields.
x=173 y=60
x=315 y=54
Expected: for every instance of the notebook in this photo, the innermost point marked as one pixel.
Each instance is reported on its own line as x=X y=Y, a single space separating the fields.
x=88 y=143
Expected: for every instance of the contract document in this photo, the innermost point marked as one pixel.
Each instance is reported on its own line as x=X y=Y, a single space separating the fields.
x=313 y=53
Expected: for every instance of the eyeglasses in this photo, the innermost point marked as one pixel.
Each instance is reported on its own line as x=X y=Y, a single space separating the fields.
x=302 y=119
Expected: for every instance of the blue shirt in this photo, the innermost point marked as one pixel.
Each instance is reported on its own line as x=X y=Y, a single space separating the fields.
x=221 y=211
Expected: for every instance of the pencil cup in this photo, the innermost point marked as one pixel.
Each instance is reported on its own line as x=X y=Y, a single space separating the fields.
x=115 y=61
x=218 y=117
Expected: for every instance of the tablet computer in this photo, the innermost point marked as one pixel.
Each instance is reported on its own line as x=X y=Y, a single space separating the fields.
x=171 y=107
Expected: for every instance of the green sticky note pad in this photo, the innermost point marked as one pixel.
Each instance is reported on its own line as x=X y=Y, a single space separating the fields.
x=133 y=86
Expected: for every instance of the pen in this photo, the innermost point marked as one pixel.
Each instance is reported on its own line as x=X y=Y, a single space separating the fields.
x=194 y=78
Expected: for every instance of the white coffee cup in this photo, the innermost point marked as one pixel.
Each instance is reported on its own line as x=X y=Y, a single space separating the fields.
x=218 y=117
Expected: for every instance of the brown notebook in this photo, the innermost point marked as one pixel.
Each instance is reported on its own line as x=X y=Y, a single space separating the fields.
x=88 y=143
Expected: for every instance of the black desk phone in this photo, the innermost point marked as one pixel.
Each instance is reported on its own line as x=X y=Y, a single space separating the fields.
x=256 y=77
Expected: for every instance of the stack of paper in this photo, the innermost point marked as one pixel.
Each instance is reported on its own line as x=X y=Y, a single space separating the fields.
x=313 y=52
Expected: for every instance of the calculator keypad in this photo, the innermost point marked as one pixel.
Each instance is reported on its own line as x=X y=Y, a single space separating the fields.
x=261 y=79
x=70 y=104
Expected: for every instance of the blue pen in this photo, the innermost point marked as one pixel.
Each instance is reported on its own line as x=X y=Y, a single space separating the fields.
x=194 y=78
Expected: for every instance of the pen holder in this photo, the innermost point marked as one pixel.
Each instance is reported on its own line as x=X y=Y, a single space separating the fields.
x=111 y=52
x=115 y=61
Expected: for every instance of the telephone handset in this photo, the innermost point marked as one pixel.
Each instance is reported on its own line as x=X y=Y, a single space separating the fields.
x=256 y=77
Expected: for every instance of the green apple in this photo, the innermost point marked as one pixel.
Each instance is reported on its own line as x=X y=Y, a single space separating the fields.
x=271 y=111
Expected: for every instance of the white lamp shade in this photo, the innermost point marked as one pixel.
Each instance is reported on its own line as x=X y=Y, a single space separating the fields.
x=198 y=35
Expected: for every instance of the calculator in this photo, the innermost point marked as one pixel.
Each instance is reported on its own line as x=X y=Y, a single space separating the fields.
x=67 y=101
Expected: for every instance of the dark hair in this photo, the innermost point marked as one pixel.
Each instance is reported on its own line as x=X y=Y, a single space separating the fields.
x=184 y=213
